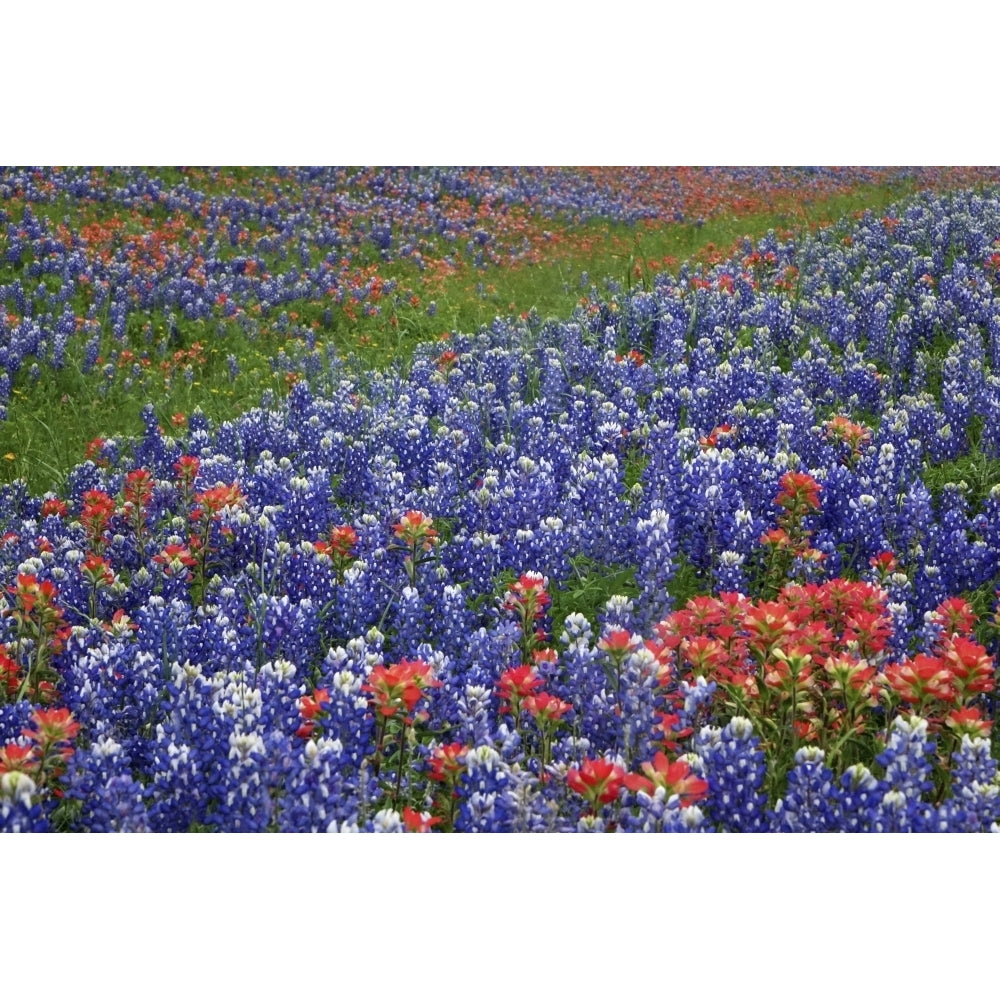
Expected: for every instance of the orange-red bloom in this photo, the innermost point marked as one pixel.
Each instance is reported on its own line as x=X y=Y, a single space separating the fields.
x=175 y=559
x=545 y=708
x=516 y=684
x=921 y=680
x=416 y=530
x=674 y=776
x=419 y=822
x=799 y=494
x=213 y=501
x=53 y=726
x=398 y=688
x=187 y=467
x=968 y=722
x=599 y=781
x=448 y=761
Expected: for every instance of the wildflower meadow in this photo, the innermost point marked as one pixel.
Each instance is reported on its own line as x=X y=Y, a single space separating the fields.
x=716 y=547
x=441 y=497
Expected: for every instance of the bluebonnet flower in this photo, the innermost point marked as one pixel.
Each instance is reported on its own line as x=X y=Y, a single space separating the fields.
x=656 y=551
x=660 y=812
x=13 y=718
x=317 y=795
x=19 y=810
x=487 y=802
x=859 y=799
x=474 y=726
x=190 y=754
x=809 y=804
x=734 y=769
x=907 y=758
x=111 y=800
x=698 y=695
x=595 y=698
x=907 y=761
x=639 y=694
x=113 y=688
x=974 y=786
x=595 y=513
x=618 y=613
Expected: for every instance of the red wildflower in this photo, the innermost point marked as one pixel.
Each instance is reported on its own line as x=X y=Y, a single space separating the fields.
x=528 y=594
x=675 y=777
x=955 y=616
x=972 y=668
x=416 y=530
x=777 y=537
x=36 y=612
x=545 y=708
x=850 y=677
x=768 y=623
x=311 y=707
x=634 y=356
x=54 y=508
x=712 y=439
x=187 y=467
x=53 y=726
x=598 y=780
x=968 y=722
x=139 y=488
x=343 y=538
x=212 y=502
x=419 y=822
x=921 y=680
x=339 y=546
x=175 y=559
x=703 y=655
x=799 y=494
x=516 y=684
x=447 y=360
x=670 y=730
x=98 y=509
x=853 y=436
x=447 y=761
x=884 y=564
x=618 y=642
x=870 y=630
x=398 y=688
x=97 y=571
x=29 y=592
x=120 y=624
x=789 y=672
x=18 y=757
x=10 y=676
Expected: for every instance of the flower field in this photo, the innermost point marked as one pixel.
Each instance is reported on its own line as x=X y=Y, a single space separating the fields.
x=716 y=549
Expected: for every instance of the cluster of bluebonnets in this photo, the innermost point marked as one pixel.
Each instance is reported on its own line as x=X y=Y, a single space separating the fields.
x=333 y=613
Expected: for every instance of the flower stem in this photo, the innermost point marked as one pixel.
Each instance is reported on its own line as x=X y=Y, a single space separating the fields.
x=399 y=769
x=378 y=745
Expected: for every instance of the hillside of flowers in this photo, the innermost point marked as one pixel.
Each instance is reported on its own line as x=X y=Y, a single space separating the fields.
x=102 y=266
x=185 y=287
x=368 y=605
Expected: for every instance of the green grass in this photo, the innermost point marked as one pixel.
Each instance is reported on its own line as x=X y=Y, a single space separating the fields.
x=588 y=588
x=52 y=420
x=975 y=472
